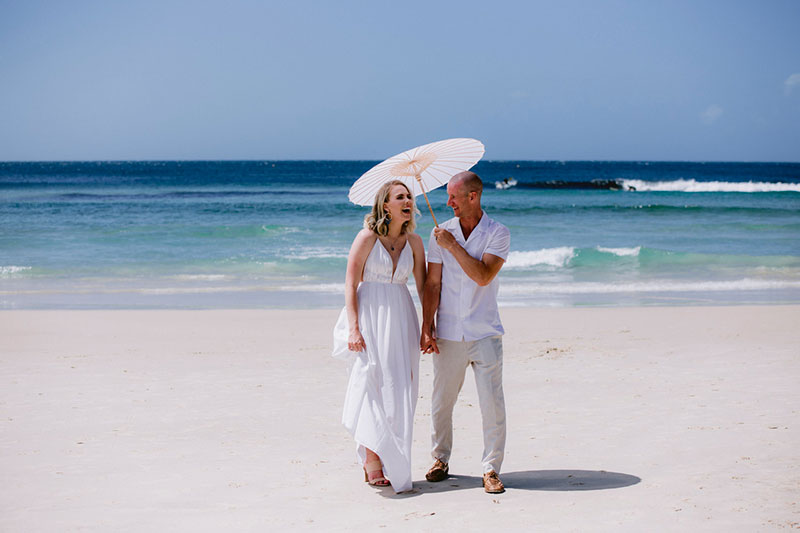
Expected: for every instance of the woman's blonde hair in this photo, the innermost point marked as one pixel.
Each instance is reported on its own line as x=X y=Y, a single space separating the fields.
x=378 y=219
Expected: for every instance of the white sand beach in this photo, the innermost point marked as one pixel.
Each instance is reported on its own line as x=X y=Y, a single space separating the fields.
x=621 y=419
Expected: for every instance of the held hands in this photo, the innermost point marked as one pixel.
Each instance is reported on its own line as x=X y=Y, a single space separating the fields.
x=355 y=343
x=444 y=238
x=427 y=342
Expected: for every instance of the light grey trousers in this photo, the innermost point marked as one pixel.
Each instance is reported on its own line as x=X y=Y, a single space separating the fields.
x=485 y=356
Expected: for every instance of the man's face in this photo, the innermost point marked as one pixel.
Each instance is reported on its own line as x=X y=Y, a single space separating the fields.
x=457 y=198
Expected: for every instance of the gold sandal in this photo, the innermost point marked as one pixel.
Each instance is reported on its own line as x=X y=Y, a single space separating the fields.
x=375 y=466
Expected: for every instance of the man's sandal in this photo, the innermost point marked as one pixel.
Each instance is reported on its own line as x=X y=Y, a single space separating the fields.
x=375 y=466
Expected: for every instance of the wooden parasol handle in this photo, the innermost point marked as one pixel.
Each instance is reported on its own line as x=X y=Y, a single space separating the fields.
x=419 y=180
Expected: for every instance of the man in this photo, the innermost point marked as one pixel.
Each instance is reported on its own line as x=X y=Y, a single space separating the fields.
x=464 y=256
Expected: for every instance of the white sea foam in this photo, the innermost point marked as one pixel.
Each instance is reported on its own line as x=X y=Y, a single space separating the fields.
x=280 y=229
x=710 y=186
x=187 y=290
x=335 y=288
x=746 y=284
x=622 y=252
x=10 y=270
x=322 y=252
x=554 y=257
x=201 y=277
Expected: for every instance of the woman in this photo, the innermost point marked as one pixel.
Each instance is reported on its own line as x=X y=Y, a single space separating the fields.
x=378 y=333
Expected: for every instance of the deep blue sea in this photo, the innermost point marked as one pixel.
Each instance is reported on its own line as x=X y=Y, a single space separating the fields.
x=275 y=234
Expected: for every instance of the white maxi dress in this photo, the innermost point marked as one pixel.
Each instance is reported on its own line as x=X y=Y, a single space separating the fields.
x=384 y=379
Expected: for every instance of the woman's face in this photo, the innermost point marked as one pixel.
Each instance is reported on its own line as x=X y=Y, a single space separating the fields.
x=400 y=203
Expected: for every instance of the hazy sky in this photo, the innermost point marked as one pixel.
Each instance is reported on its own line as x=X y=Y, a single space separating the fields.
x=338 y=79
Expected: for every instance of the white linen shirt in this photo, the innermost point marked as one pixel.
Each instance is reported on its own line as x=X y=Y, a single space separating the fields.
x=467 y=311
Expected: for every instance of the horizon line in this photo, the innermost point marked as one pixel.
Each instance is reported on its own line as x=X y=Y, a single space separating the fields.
x=371 y=160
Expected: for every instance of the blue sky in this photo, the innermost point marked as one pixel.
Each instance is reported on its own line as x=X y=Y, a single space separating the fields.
x=606 y=80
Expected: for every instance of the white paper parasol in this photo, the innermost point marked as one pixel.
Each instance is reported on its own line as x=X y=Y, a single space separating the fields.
x=422 y=169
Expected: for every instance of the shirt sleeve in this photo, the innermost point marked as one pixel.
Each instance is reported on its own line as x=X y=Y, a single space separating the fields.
x=434 y=250
x=500 y=243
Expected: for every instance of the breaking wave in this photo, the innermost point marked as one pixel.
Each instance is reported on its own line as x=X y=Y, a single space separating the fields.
x=709 y=186
x=680 y=185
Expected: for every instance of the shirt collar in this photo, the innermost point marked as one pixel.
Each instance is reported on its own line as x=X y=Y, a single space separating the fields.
x=482 y=223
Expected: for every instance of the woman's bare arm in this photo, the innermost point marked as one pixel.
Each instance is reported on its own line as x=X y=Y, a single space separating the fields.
x=359 y=251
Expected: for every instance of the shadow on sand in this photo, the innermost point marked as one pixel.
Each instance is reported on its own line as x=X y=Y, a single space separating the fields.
x=551 y=480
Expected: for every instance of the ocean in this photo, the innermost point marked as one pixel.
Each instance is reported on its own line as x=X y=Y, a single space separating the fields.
x=275 y=234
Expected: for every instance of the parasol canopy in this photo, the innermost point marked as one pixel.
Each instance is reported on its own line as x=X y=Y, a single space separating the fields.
x=421 y=169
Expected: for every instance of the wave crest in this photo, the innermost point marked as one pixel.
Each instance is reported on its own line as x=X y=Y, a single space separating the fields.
x=554 y=257
x=709 y=186
x=621 y=252
x=11 y=270
x=561 y=256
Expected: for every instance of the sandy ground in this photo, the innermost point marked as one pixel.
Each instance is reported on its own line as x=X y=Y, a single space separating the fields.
x=625 y=419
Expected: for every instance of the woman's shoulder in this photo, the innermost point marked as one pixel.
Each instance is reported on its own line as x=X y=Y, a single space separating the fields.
x=365 y=236
x=414 y=238
x=416 y=242
x=363 y=243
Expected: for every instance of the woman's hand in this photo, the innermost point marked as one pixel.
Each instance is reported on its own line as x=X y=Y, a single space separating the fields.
x=427 y=341
x=355 y=343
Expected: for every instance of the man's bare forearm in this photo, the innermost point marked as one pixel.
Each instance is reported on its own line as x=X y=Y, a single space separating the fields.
x=476 y=269
x=430 y=303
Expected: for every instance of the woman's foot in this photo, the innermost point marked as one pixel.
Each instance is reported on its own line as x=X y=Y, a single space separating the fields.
x=373 y=471
x=373 y=474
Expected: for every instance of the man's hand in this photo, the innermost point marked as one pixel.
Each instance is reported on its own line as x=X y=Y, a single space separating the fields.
x=445 y=239
x=427 y=342
x=482 y=271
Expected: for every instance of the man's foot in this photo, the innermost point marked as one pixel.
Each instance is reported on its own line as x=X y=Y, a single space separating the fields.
x=438 y=471
x=492 y=483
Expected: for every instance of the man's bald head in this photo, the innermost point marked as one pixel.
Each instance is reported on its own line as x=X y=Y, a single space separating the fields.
x=467 y=182
x=464 y=195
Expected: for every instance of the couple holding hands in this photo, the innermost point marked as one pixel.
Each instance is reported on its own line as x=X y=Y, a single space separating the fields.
x=379 y=334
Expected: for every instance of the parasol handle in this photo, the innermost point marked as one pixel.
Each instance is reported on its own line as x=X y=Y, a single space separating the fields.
x=419 y=180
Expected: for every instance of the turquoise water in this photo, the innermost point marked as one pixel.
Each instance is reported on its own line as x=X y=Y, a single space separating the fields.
x=276 y=234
